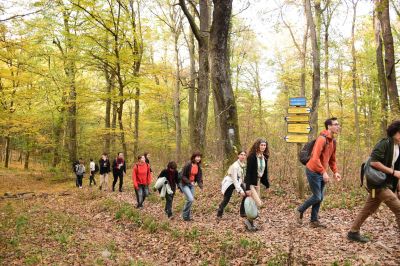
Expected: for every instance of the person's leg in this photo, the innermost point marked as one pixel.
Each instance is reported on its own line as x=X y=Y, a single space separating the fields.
x=101 y=181
x=187 y=191
x=77 y=181
x=370 y=206
x=80 y=177
x=115 y=181
x=392 y=201
x=314 y=181
x=94 y=180
x=106 y=181
x=168 y=204
x=140 y=195
x=315 y=207
x=225 y=201
x=121 y=181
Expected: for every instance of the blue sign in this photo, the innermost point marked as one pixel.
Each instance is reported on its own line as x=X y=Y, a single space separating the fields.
x=298 y=101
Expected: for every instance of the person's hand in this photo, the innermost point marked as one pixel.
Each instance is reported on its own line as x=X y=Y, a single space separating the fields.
x=338 y=177
x=396 y=174
x=242 y=194
x=325 y=177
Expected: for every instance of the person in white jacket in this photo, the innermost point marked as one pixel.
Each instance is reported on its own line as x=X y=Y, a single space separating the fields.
x=233 y=181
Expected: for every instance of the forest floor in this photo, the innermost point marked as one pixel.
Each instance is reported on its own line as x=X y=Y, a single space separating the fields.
x=58 y=224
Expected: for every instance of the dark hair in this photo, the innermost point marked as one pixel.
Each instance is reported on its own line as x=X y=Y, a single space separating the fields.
x=140 y=157
x=172 y=165
x=256 y=147
x=328 y=122
x=105 y=153
x=194 y=155
x=393 y=128
x=119 y=153
x=91 y=159
x=240 y=151
x=145 y=154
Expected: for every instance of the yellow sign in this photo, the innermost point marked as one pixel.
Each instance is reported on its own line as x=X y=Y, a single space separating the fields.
x=299 y=110
x=297 y=118
x=296 y=138
x=299 y=128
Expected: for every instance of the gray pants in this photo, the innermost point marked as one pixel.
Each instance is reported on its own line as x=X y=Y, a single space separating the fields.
x=141 y=193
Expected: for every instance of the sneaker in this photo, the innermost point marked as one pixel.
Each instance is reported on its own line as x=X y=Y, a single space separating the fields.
x=299 y=216
x=317 y=224
x=80 y=187
x=355 y=236
x=249 y=225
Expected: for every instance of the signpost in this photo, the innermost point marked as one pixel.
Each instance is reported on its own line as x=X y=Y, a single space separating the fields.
x=298 y=121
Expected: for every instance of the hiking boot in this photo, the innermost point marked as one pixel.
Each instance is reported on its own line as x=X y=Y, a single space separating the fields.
x=317 y=224
x=299 y=216
x=355 y=236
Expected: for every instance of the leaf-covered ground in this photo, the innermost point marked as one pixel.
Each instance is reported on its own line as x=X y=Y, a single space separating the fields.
x=61 y=225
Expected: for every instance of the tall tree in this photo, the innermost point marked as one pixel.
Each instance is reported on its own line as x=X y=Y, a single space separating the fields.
x=202 y=37
x=380 y=67
x=221 y=80
x=390 y=68
x=354 y=76
x=316 y=81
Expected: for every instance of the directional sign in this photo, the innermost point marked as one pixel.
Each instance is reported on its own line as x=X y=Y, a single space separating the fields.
x=298 y=128
x=297 y=118
x=298 y=101
x=299 y=110
x=296 y=138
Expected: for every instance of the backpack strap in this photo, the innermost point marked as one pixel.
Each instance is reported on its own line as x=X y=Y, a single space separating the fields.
x=362 y=174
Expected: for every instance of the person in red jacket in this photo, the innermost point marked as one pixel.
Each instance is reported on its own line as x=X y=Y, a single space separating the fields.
x=323 y=156
x=141 y=177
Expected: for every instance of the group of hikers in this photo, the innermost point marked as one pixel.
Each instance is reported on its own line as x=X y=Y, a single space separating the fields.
x=250 y=171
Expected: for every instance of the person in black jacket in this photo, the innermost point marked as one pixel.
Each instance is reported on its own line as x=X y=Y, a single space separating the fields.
x=191 y=174
x=119 y=170
x=105 y=168
x=171 y=174
x=256 y=174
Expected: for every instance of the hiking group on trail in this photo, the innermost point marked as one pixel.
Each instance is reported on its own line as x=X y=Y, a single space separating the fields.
x=250 y=171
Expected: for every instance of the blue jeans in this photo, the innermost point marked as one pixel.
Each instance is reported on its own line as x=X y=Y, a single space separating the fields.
x=188 y=191
x=317 y=185
x=141 y=193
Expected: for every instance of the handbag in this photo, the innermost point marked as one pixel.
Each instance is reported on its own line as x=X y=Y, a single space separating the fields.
x=374 y=177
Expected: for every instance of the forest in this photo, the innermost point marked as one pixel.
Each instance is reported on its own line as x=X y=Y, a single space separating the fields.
x=79 y=78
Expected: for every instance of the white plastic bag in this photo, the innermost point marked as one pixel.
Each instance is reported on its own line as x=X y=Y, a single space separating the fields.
x=250 y=208
x=169 y=190
x=160 y=182
x=163 y=191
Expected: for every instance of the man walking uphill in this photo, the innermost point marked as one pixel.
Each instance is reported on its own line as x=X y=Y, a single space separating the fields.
x=322 y=156
x=119 y=169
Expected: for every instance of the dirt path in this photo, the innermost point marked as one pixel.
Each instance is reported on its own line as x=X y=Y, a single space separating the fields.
x=89 y=227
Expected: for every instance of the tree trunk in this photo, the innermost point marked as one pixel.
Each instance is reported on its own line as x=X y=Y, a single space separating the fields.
x=26 y=164
x=110 y=79
x=220 y=79
x=201 y=35
x=389 y=59
x=136 y=130
x=316 y=82
x=192 y=88
x=354 y=78
x=70 y=71
x=177 y=107
x=380 y=68
x=7 y=158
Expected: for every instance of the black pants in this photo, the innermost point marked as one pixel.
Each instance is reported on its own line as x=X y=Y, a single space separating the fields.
x=92 y=178
x=79 y=180
x=225 y=201
x=169 y=198
x=121 y=180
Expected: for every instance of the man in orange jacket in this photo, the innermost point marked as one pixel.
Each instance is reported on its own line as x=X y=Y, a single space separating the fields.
x=323 y=156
